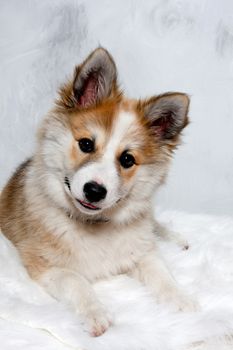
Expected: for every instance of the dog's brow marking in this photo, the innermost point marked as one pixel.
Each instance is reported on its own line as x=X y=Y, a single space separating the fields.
x=122 y=124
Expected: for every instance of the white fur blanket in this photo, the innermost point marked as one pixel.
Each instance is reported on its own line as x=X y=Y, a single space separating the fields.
x=30 y=319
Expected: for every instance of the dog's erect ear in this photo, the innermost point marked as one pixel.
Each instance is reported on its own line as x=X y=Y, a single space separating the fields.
x=95 y=79
x=166 y=114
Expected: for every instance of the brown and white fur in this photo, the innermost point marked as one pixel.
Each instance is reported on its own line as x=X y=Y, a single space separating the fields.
x=67 y=242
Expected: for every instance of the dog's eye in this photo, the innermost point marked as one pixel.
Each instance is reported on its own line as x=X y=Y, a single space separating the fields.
x=86 y=145
x=127 y=160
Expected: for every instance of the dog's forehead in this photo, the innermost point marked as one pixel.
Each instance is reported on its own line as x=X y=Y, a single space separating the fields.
x=124 y=126
x=111 y=128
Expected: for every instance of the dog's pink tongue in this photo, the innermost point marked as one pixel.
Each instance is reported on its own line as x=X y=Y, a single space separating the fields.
x=89 y=205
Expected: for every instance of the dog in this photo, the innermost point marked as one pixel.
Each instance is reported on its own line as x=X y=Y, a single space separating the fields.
x=80 y=209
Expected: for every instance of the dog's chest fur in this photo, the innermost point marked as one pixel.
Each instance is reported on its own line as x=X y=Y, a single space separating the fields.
x=99 y=250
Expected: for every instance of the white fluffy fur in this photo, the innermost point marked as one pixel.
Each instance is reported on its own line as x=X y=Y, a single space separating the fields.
x=29 y=317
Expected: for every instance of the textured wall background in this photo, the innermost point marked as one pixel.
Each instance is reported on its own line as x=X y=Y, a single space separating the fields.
x=158 y=46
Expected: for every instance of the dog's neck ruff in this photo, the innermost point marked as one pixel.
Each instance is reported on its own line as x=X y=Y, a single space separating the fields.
x=98 y=220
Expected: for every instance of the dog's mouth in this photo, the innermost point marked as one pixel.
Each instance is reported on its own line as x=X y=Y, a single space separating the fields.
x=84 y=204
x=88 y=205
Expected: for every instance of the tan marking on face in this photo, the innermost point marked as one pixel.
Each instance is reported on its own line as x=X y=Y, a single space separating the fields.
x=74 y=153
x=140 y=141
x=77 y=158
x=101 y=117
x=95 y=124
x=128 y=174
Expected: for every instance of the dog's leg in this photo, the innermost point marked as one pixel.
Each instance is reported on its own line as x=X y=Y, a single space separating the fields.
x=164 y=233
x=74 y=289
x=152 y=272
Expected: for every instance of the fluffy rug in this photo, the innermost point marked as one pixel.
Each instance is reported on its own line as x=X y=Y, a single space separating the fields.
x=30 y=319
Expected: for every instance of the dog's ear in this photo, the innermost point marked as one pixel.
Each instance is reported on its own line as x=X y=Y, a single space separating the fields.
x=94 y=80
x=166 y=114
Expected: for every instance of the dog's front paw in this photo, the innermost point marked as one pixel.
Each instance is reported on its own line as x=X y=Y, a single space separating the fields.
x=185 y=303
x=180 y=241
x=98 y=322
x=179 y=301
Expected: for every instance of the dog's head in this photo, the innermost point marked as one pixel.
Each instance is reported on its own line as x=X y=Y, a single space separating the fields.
x=103 y=151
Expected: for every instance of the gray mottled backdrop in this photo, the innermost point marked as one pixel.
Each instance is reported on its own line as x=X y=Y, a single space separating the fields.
x=158 y=46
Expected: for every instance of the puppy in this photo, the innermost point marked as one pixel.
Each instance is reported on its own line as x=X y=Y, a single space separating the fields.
x=79 y=209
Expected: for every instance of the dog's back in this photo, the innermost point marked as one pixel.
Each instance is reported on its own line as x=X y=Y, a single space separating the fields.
x=12 y=205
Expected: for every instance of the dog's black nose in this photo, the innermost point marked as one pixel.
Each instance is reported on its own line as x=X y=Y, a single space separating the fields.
x=94 y=192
